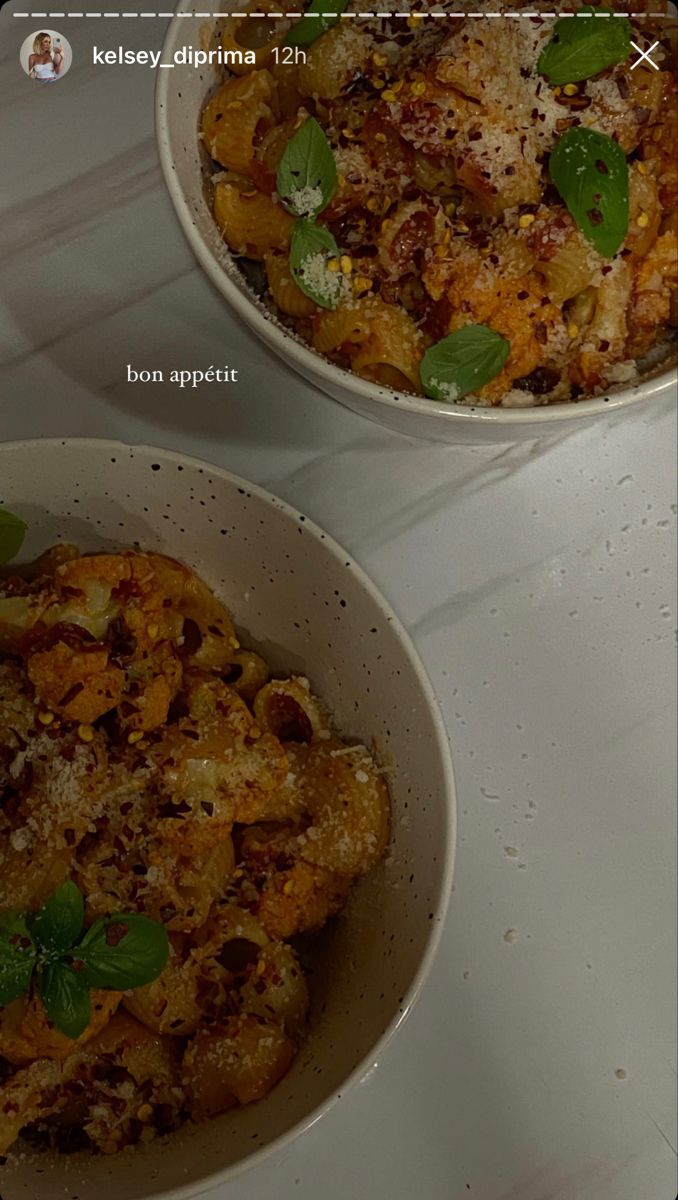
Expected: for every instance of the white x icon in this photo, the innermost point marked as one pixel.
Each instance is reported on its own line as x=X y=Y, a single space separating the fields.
x=644 y=54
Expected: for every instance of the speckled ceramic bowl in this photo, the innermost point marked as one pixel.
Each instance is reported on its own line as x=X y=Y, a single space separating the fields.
x=179 y=100
x=296 y=595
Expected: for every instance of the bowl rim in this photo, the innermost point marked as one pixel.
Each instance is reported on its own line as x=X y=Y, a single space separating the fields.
x=434 y=934
x=309 y=362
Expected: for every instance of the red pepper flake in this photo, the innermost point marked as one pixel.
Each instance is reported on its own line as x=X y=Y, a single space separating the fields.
x=115 y=933
x=71 y=694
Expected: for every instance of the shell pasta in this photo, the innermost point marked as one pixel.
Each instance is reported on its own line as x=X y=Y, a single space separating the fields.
x=149 y=759
x=446 y=213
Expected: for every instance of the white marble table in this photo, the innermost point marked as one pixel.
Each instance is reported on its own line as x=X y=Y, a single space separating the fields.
x=539 y=584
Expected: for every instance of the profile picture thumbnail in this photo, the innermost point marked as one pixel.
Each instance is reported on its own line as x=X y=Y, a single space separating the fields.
x=46 y=56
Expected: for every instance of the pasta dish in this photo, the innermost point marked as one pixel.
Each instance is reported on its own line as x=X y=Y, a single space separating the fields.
x=171 y=818
x=478 y=210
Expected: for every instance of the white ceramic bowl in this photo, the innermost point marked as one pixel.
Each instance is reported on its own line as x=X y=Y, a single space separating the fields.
x=179 y=101
x=296 y=595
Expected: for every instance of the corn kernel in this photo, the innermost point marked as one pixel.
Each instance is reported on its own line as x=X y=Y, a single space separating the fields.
x=288 y=887
x=261 y=967
x=361 y=283
x=153 y=631
x=380 y=137
x=85 y=733
x=642 y=169
x=463 y=227
x=557 y=91
x=440 y=251
x=526 y=220
x=643 y=220
x=450 y=209
x=414 y=20
x=346 y=264
x=333 y=265
x=373 y=204
x=46 y=718
x=418 y=88
x=348 y=133
x=145 y=1112
x=143 y=745
x=135 y=736
x=378 y=83
x=572 y=330
x=389 y=95
x=379 y=60
x=570 y=89
x=398 y=85
x=341 y=180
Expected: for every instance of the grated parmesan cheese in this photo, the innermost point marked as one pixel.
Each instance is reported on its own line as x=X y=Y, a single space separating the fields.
x=306 y=201
x=448 y=391
x=321 y=281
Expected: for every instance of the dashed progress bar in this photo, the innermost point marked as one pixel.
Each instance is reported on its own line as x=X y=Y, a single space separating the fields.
x=347 y=16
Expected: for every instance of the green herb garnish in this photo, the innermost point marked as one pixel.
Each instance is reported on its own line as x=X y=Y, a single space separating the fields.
x=57 y=926
x=307 y=175
x=12 y=534
x=463 y=362
x=65 y=995
x=126 y=950
x=312 y=248
x=307 y=181
x=590 y=171
x=123 y=951
x=584 y=45
x=320 y=16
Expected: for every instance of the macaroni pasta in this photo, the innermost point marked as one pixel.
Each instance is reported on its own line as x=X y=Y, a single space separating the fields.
x=150 y=759
x=444 y=210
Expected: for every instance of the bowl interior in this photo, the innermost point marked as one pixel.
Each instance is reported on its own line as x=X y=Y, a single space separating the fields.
x=179 y=101
x=296 y=595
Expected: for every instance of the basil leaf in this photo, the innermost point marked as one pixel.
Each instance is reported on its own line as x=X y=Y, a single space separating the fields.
x=65 y=996
x=124 y=951
x=17 y=957
x=323 y=15
x=307 y=175
x=12 y=534
x=462 y=362
x=590 y=171
x=584 y=45
x=58 y=924
x=311 y=248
